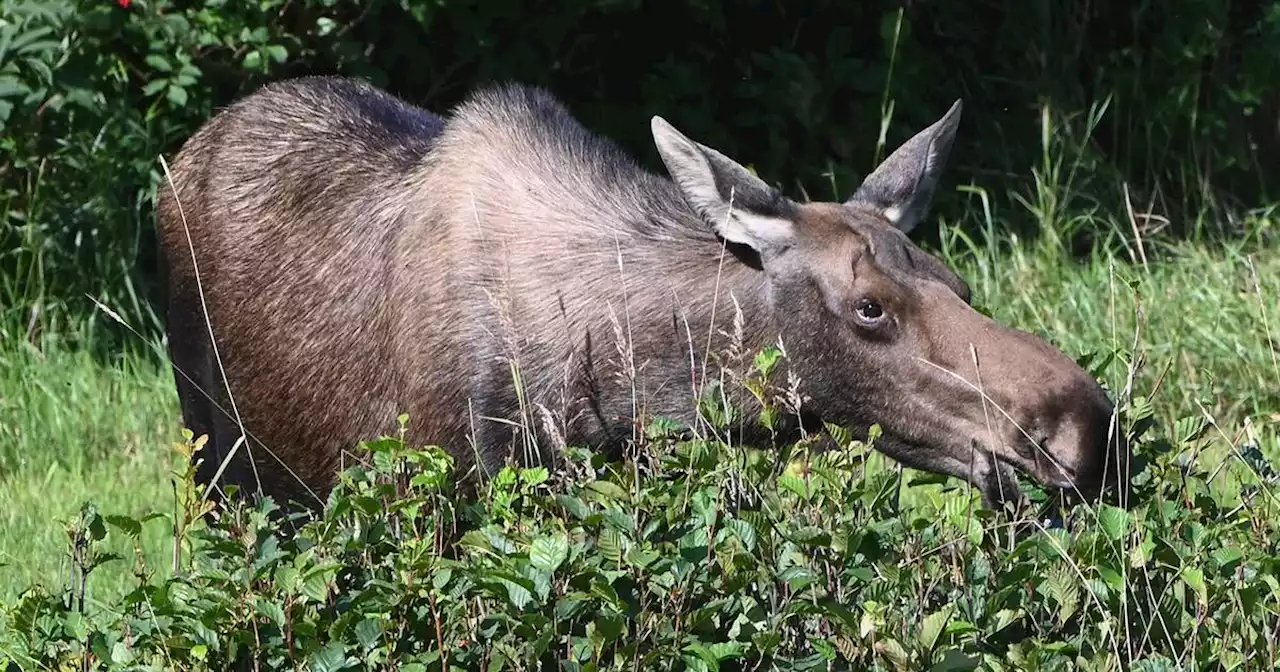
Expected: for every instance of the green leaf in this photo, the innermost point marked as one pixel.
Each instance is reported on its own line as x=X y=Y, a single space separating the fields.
x=28 y=610
x=714 y=654
x=839 y=433
x=549 y=552
x=703 y=503
x=1062 y=588
x=795 y=479
x=97 y=529
x=270 y=610
x=540 y=579
x=158 y=62
x=277 y=52
x=570 y=605
x=1154 y=663
x=1188 y=428
x=1194 y=578
x=743 y=531
x=766 y=359
x=959 y=628
x=610 y=545
x=726 y=650
x=177 y=96
x=766 y=641
x=11 y=86
x=769 y=417
x=811 y=535
x=519 y=590
x=315 y=584
x=891 y=649
x=125 y=524
x=574 y=506
x=1111 y=577
x=826 y=649
x=1140 y=554
x=797 y=577
x=74 y=625
x=642 y=558
x=1227 y=557
x=932 y=626
x=331 y=658
x=955 y=659
x=368 y=631
x=662 y=427
x=121 y=654
x=608 y=490
x=1114 y=521
x=605 y=593
x=534 y=476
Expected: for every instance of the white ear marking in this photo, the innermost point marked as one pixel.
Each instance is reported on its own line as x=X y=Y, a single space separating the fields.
x=753 y=229
x=902 y=186
x=738 y=205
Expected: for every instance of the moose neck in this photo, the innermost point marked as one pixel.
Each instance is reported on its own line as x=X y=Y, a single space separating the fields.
x=719 y=296
x=695 y=305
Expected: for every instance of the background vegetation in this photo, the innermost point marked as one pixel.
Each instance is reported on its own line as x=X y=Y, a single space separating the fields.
x=1174 y=101
x=1113 y=189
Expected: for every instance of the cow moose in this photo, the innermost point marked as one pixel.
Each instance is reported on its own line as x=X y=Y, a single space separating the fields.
x=333 y=256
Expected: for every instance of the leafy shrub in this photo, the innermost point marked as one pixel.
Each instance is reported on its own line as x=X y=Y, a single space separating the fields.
x=692 y=553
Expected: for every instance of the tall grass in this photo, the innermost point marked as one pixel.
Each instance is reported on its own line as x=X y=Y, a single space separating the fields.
x=1207 y=314
x=74 y=428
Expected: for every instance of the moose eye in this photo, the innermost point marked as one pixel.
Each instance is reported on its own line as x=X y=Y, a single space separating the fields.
x=869 y=312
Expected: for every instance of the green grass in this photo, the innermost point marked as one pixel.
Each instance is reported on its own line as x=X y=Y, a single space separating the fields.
x=1207 y=318
x=74 y=430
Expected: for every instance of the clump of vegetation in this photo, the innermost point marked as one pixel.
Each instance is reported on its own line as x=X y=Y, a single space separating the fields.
x=691 y=552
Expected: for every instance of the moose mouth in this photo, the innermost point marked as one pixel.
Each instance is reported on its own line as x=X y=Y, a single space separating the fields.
x=1005 y=474
x=998 y=477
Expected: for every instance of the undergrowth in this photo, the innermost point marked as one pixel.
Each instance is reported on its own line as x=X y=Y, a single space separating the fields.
x=696 y=554
x=690 y=554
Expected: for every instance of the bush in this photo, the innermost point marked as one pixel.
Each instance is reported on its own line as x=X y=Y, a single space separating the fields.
x=1182 y=95
x=691 y=552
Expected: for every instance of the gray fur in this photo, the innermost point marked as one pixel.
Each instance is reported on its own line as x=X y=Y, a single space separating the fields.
x=362 y=257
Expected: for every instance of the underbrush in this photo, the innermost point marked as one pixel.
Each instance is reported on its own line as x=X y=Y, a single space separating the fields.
x=690 y=554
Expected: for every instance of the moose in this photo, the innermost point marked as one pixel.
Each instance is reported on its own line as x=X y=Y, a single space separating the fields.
x=333 y=255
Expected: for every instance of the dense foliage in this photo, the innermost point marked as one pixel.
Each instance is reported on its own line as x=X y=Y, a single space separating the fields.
x=1173 y=101
x=691 y=553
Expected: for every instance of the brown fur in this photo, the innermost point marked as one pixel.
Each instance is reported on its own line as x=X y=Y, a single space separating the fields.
x=361 y=257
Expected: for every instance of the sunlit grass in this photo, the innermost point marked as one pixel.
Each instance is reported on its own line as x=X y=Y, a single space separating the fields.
x=73 y=429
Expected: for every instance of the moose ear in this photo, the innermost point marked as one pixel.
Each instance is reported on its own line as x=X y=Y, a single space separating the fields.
x=901 y=188
x=739 y=206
